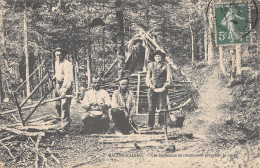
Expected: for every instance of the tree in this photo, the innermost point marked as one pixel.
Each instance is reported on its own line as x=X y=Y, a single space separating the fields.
x=120 y=37
x=27 y=74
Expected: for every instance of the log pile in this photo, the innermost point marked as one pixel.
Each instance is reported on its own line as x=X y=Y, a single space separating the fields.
x=15 y=138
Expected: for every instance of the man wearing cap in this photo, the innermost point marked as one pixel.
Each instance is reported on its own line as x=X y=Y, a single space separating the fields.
x=64 y=79
x=95 y=100
x=158 y=76
x=123 y=106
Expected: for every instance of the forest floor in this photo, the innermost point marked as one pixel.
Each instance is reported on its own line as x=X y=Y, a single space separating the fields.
x=214 y=143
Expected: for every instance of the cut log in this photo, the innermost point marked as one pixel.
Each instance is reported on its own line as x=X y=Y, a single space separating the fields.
x=19 y=132
x=8 y=138
x=132 y=138
x=140 y=144
x=40 y=128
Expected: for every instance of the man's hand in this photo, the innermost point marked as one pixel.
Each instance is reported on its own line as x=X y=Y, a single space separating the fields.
x=152 y=87
x=86 y=107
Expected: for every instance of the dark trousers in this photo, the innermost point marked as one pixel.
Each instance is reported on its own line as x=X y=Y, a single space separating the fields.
x=63 y=106
x=96 y=125
x=158 y=100
x=121 y=121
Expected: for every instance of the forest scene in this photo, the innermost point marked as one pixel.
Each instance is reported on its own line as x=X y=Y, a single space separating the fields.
x=214 y=86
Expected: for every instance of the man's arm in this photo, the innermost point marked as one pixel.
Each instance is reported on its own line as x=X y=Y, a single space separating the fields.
x=68 y=79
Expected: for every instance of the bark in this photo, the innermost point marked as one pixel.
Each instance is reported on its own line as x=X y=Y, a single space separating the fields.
x=26 y=53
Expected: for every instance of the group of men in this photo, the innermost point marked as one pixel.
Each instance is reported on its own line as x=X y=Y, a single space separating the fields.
x=102 y=113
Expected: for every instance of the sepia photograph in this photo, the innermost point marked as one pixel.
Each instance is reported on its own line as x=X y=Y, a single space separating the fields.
x=129 y=84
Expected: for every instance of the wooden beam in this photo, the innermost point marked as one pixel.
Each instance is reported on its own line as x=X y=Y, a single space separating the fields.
x=19 y=132
x=34 y=90
x=32 y=106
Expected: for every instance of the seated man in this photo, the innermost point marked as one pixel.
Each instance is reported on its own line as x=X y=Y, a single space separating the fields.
x=95 y=101
x=123 y=106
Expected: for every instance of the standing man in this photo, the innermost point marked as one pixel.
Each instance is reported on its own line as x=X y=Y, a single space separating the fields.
x=98 y=100
x=64 y=79
x=123 y=106
x=158 y=76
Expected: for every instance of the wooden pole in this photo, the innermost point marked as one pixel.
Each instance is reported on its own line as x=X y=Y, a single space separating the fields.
x=28 y=96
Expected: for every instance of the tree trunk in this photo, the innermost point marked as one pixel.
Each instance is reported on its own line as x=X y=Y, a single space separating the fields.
x=89 y=60
x=221 y=64
x=238 y=61
x=77 y=75
x=2 y=53
x=26 y=53
x=192 y=45
x=210 y=46
x=120 y=37
x=205 y=38
x=104 y=50
x=1 y=88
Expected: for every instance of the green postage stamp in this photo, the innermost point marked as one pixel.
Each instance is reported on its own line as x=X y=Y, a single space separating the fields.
x=232 y=23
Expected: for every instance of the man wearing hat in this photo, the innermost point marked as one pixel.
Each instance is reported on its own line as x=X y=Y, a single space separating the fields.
x=123 y=106
x=64 y=79
x=96 y=102
x=158 y=76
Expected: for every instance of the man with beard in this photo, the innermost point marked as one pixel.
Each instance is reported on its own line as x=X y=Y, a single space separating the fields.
x=64 y=79
x=123 y=106
x=96 y=102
